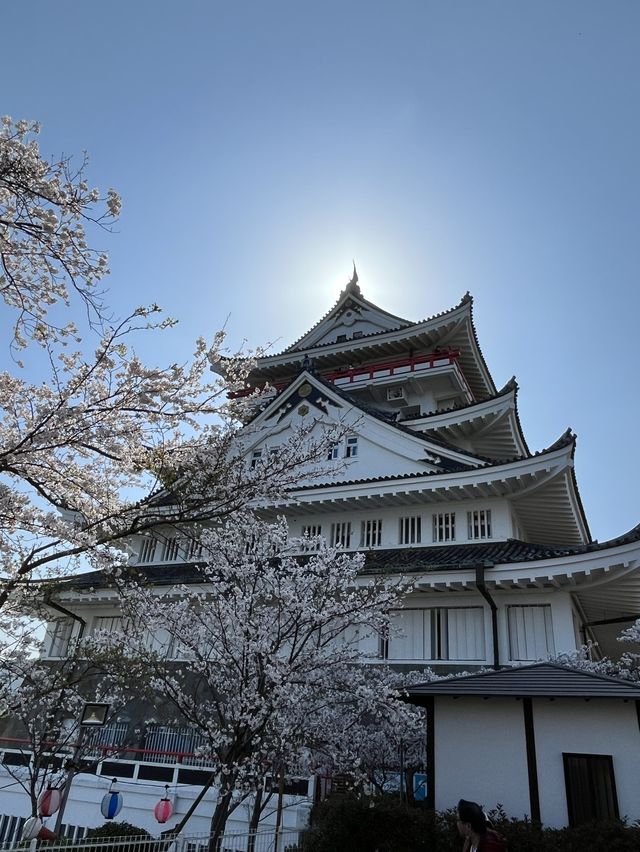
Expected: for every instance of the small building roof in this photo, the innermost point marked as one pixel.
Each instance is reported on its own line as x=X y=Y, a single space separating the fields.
x=541 y=680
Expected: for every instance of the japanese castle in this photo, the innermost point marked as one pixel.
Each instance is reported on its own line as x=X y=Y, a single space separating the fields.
x=431 y=478
x=434 y=479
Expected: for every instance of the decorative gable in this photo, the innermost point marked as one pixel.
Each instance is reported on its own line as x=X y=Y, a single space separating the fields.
x=351 y=318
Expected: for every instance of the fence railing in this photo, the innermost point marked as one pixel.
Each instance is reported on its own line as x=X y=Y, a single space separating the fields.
x=260 y=841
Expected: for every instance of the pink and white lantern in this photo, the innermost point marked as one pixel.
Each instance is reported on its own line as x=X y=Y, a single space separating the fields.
x=49 y=801
x=164 y=809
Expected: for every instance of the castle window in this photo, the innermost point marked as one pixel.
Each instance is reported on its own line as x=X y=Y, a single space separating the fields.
x=439 y=634
x=444 y=526
x=341 y=534
x=148 y=549
x=59 y=635
x=311 y=531
x=256 y=455
x=110 y=623
x=357 y=335
x=333 y=452
x=171 y=549
x=410 y=530
x=479 y=523
x=371 y=533
x=351 y=447
x=341 y=338
x=530 y=632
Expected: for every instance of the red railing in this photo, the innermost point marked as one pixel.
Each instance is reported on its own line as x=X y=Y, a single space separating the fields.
x=448 y=356
x=107 y=750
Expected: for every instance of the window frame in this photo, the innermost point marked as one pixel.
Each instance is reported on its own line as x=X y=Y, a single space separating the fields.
x=590 y=808
x=351 y=447
x=443 y=527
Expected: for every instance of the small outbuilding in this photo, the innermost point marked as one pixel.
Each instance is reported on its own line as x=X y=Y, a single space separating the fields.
x=560 y=745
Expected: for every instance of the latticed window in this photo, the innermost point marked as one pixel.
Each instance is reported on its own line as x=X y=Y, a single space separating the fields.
x=148 y=549
x=444 y=526
x=171 y=549
x=341 y=534
x=410 y=530
x=110 y=623
x=371 y=533
x=479 y=523
x=256 y=455
x=530 y=632
x=311 y=531
x=438 y=633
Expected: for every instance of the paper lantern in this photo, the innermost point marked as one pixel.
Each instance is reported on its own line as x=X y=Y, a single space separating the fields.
x=49 y=801
x=111 y=802
x=31 y=829
x=164 y=808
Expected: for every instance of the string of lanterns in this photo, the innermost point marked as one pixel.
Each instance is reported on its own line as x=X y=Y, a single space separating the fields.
x=50 y=800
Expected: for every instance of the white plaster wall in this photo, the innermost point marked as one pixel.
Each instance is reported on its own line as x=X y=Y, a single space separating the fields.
x=500 y=520
x=139 y=800
x=599 y=726
x=480 y=753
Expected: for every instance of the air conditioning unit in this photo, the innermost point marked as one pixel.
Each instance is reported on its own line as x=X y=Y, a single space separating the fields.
x=396 y=396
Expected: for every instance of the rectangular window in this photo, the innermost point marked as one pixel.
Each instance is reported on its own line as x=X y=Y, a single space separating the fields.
x=371 y=533
x=591 y=788
x=341 y=534
x=530 y=632
x=256 y=455
x=357 y=335
x=444 y=526
x=442 y=633
x=341 y=338
x=311 y=531
x=58 y=637
x=333 y=452
x=479 y=524
x=351 y=448
x=148 y=549
x=410 y=530
x=194 y=548
x=171 y=549
x=110 y=623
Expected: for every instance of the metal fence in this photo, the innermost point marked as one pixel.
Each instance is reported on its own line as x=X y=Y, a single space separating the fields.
x=261 y=841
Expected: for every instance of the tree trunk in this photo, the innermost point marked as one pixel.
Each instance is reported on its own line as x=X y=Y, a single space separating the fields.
x=255 y=819
x=219 y=819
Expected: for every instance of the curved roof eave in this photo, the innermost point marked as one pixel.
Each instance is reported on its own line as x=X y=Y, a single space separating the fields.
x=467 y=410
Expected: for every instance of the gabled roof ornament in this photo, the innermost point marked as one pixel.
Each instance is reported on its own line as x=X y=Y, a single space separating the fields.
x=352 y=287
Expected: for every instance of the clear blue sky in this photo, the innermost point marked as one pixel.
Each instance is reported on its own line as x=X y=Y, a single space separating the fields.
x=446 y=146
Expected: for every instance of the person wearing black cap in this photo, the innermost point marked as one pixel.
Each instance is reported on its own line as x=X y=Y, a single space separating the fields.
x=473 y=825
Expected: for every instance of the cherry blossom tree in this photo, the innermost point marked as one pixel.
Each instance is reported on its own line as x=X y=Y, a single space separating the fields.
x=263 y=650
x=40 y=707
x=100 y=446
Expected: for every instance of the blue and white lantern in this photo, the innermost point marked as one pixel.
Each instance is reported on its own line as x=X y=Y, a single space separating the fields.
x=111 y=802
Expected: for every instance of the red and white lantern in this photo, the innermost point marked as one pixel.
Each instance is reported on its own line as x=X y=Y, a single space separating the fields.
x=164 y=809
x=49 y=801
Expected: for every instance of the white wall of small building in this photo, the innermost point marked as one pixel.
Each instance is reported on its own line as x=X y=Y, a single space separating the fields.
x=480 y=751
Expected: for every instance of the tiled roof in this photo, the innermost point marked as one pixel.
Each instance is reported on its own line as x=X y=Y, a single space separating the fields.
x=566 y=439
x=544 y=680
x=402 y=323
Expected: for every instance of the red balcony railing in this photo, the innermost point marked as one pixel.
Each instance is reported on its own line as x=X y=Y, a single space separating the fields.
x=433 y=359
